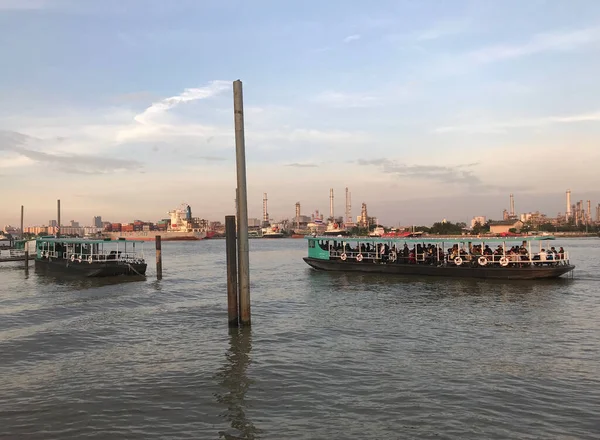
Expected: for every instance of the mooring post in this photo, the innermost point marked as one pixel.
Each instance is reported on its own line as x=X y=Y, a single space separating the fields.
x=158 y=258
x=232 y=285
x=26 y=258
x=242 y=221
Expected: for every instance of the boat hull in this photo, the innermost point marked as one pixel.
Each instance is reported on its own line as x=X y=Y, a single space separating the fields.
x=502 y=273
x=95 y=269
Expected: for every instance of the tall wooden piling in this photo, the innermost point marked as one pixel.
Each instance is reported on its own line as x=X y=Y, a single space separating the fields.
x=242 y=220
x=26 y=259
x=232 y=285
x=158 y=258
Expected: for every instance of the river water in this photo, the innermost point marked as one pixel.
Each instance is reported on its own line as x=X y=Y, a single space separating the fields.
x=329 y=355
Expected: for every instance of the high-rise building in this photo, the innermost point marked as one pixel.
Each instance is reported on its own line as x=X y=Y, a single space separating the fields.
x=52 y=223
x=97 y=223
x=74 y=224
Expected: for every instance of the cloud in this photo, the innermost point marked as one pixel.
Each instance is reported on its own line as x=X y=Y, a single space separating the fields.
x=443 y=29
x=351 y=38
x=501 y=127
x=458 y=174
x=212 y=89
x=302 y=165
x=69 y=163
x=347 y=100
x=545 y=42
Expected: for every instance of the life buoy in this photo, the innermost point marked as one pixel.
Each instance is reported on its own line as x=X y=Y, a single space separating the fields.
x=359 y=257
x=90 y=259
x=72 y=257
x=343 y=257
x=392 y=256
x=335 y=225
x=79 y=259
x=504 y=261
x=482 y=261
x=458 y=261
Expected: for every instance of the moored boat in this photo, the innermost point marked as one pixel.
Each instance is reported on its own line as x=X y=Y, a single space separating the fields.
x=90 y=258
x=512 y=258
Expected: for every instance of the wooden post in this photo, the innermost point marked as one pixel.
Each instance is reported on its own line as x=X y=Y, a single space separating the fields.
x=232 y=286
x=26 y=258
x=242 y=221
x=158 y=258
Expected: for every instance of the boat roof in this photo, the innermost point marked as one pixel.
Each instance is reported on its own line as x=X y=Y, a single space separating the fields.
x=430 y=239
x=84 y=240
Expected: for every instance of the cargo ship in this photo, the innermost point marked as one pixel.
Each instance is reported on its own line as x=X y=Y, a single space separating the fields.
x=180 y=226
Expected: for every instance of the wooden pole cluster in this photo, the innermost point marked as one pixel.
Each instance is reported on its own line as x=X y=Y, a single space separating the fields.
x=243 y=276
x=158 y=258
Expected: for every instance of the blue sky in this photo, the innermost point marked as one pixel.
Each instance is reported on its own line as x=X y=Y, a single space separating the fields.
x=424 y=109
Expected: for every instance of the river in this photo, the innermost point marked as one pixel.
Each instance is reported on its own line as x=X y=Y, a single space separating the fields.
x=329 y=355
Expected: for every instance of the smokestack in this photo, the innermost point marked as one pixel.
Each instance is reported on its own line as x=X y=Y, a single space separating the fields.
x=265 y=212
x=297 y=215
x=512 y=205
x=331 y=203
x=569 y=213
x=58 y=218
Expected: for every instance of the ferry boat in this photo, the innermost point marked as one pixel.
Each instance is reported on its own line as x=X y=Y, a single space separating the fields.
x=90 y=258
x=469 y=257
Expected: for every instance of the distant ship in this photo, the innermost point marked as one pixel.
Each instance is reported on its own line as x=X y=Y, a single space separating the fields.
x=336 y=229
x=272 y=232
x=181 y=227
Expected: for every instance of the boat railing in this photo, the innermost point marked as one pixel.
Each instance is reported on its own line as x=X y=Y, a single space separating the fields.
x=452 y=259
x=90 y=257
x=12 y=253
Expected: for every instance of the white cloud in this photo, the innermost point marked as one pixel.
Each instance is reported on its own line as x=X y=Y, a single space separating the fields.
x=347 y=100
x=557 y=41
x=351 y=38
x=212 y=89
x=500 y=127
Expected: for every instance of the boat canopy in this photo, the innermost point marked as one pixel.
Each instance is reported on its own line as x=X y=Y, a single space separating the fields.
x=429 y=239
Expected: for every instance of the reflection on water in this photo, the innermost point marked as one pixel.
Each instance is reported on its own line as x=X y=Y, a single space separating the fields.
x=233 y=379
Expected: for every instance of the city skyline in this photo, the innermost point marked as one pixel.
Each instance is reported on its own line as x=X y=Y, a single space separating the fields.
x=433 y=206
x=424 y=110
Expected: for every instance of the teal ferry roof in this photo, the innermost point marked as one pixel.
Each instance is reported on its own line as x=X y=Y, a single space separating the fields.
x=430 y=239
x=84 y=240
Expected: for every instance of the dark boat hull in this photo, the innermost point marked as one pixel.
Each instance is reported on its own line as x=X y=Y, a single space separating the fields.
x=95 y=269
x=501 y=273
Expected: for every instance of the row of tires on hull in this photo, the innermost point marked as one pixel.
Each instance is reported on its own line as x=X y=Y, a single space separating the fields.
x=482 y=261
x=89 y=259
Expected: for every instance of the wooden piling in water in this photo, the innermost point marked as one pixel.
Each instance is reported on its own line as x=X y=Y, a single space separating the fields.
x=158 y=258
x=232 y=273
x=26 y=259
x=242 y=220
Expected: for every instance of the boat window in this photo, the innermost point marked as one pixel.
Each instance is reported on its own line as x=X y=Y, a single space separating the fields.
x=311 y=244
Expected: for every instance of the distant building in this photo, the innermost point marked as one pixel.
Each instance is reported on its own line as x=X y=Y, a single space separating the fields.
x=478 y=219
x=97 y=222
x=254 y=223
x=52 y=223
x=74 y=224
x=505 y=226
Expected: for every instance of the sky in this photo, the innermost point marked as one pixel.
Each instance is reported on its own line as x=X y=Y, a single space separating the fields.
x=425 y=110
